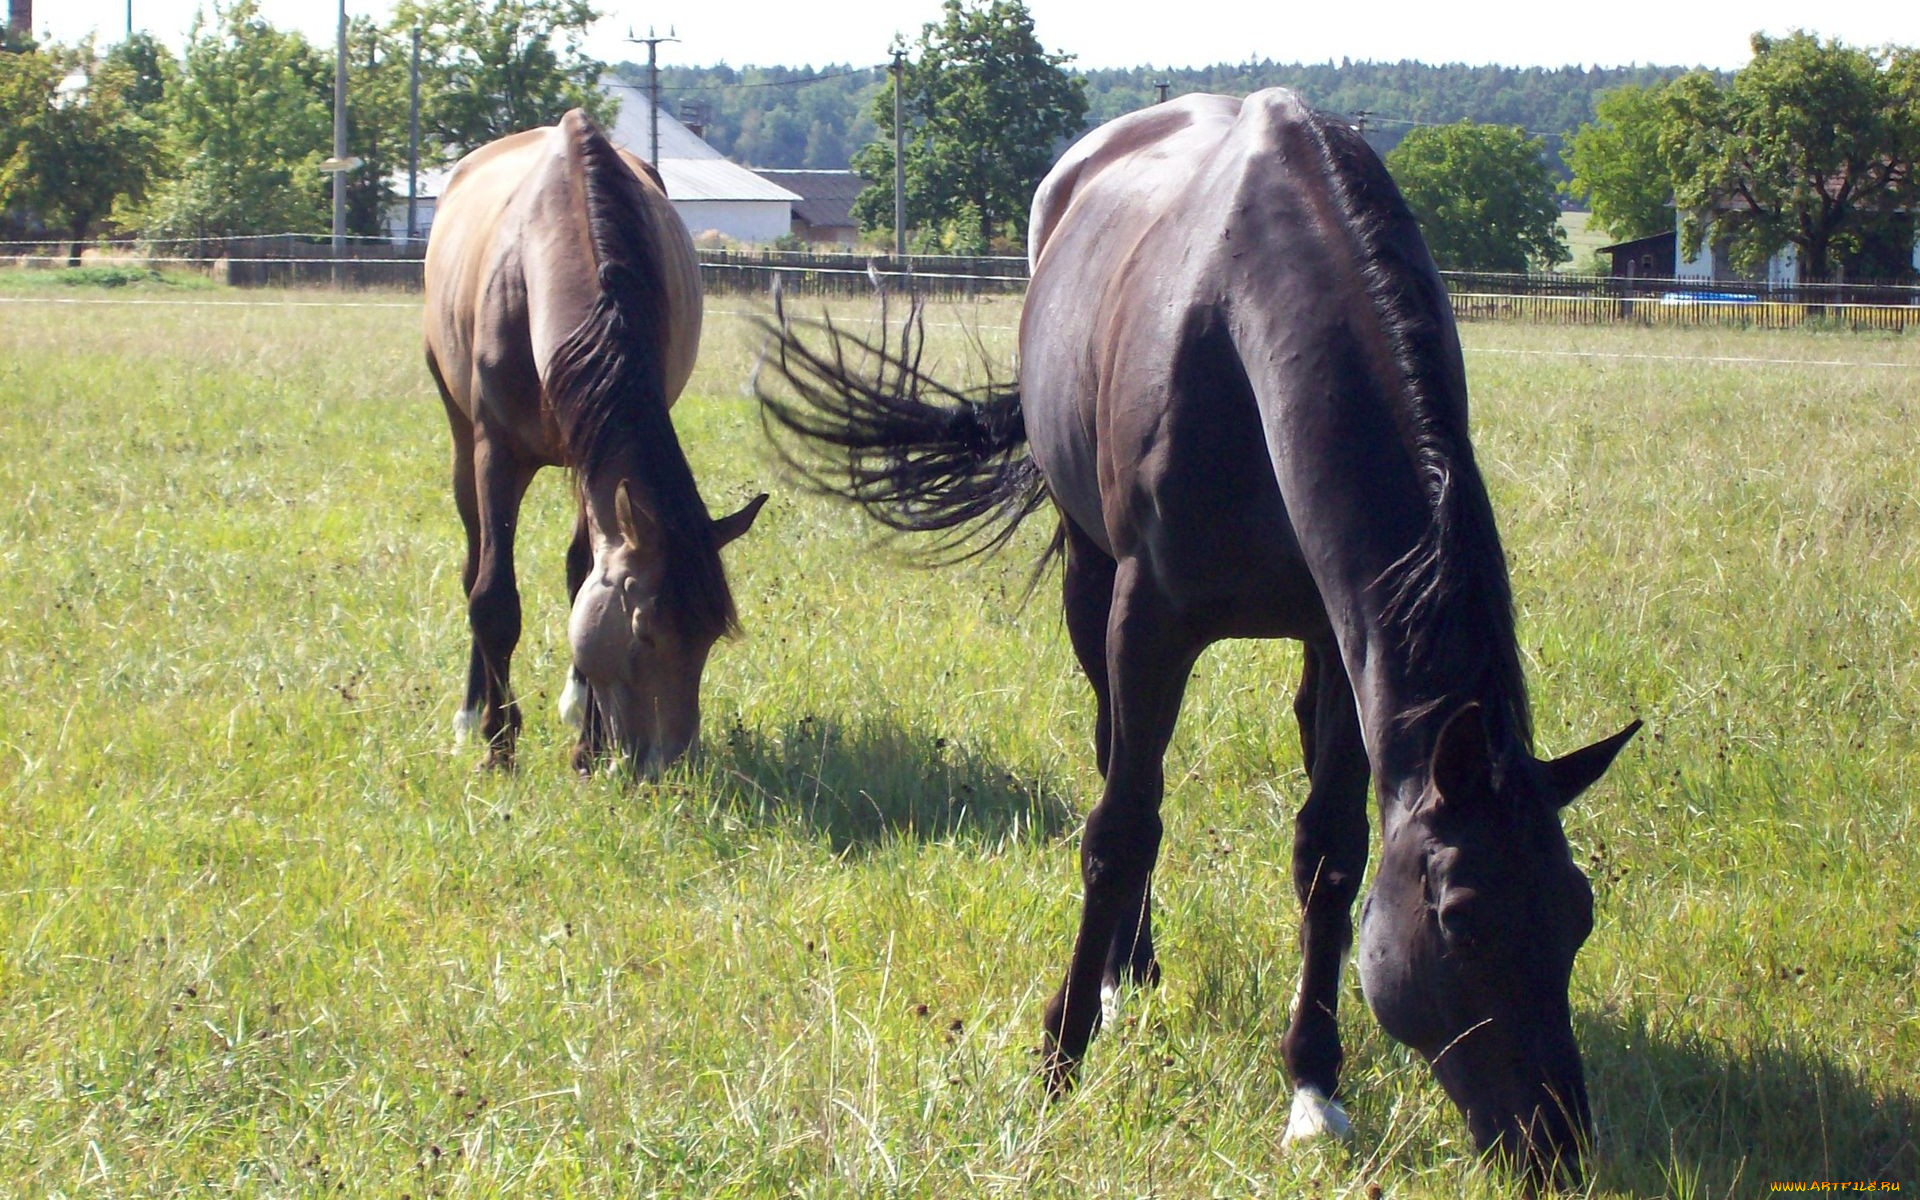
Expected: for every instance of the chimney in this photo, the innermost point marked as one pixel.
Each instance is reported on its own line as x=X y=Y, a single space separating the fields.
x=20 y=16
x=693 y=115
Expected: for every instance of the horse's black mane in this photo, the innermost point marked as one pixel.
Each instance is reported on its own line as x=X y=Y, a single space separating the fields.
x=607 y=388
x=1448 y=596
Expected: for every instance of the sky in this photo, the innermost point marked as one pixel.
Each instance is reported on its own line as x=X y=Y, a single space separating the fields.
x=1127 y=33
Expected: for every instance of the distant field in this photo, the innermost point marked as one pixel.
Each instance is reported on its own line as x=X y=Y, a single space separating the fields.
x=1581 y=240
x=263 y=932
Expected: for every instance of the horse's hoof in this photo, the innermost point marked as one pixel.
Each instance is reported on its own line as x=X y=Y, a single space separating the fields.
x=1056 y=1071
x=1315 y=1117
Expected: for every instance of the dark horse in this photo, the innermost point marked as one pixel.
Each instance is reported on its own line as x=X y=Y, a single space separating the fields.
x=1241 y=387
x=562 y=318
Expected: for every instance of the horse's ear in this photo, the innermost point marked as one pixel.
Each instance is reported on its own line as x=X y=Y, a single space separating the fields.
x=637 y=527
x=1462 y=760
x=1574 y=773
x=727 y=528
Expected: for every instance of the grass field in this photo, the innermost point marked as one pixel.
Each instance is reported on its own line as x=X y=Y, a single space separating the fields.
x=263 y=932
x=1583 y=241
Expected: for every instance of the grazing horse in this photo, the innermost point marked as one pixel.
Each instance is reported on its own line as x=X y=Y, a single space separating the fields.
x=1241 y=387
x=562 y=318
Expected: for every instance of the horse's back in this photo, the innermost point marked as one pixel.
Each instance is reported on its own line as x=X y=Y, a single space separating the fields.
x=1199 y=292
x=511 y=269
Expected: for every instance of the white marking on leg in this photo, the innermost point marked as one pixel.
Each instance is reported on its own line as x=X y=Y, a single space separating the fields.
x=1313 y=1117
x=1109 y=1005
x=464 y=723
x=573 y=701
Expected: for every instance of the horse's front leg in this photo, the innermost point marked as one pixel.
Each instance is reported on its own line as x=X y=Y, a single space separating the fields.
x=577 y=705
x=1329 y=855
x=493 y=600
x=1149 y=656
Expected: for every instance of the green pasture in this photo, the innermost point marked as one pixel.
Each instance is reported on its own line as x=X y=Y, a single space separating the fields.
x=264 y=932
x=1583 y=241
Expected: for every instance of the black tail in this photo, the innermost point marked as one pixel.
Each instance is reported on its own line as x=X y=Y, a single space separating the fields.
x=920 y=457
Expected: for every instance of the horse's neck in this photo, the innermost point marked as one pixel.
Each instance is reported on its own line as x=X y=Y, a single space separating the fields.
x=1356 y=462
x=1403 y=700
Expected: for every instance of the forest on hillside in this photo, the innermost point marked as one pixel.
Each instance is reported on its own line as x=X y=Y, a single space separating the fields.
x=817 y=117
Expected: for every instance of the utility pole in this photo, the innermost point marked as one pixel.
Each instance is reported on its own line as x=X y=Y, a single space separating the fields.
x=1160 y=89
x=899 y=69
x=413 y=142
x=653 y=86
x=340 y=133
x=339 y=164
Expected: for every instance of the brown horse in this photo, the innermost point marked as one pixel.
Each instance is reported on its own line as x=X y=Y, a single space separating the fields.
x=1241 y=388
x=562 y=318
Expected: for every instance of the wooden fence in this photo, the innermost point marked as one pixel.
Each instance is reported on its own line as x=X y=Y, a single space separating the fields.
x=1679 y=309
x=303 y=262
x=289 y=261
x=807 y=273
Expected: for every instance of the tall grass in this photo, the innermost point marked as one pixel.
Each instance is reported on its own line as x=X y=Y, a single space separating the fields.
x=264 y=932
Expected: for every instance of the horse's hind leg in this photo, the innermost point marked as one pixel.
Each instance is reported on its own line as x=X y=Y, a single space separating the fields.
x=466 y=499
x=1329 y=854
x=493 y=599
x=1087 y=599
x=1149 y=656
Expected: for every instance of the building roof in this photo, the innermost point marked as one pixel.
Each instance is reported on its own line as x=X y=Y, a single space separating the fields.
x=825 y=197
x=716 y=179
x=633 y=131
x=691 y=169
x=1652 y=239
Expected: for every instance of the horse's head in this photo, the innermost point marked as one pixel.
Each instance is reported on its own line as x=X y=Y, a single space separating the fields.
x=641 y=655
x=1468 y=936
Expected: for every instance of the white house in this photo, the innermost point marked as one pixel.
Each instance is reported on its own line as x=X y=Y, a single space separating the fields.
x=712 y=195
x=1783 y=269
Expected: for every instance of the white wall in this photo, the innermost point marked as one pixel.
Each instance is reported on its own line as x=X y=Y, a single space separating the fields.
x=397 y=219
x=1782 y=268
x=741 y=220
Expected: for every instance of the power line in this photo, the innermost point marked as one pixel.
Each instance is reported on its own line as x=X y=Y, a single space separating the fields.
x=747 y=87
x=1369 y=115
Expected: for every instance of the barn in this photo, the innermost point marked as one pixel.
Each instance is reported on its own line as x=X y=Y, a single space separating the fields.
x=716 y=198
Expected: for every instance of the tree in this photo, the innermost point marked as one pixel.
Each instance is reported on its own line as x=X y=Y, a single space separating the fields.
x=250 y=119
x=150 y=67
x=1617 y=165
x=1483 y=195
x=1811 y=145
x=488 y=70
x=378 y=66
x=76 y=145
x=985 y=108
